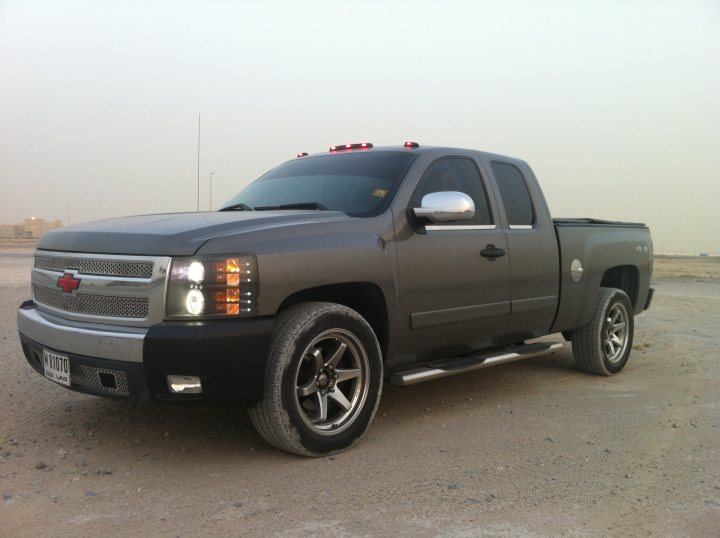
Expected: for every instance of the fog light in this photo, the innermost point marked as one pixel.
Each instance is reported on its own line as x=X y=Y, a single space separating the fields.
x=184 y=384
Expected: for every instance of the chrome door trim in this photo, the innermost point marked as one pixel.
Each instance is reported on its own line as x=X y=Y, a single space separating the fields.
x=436 y=228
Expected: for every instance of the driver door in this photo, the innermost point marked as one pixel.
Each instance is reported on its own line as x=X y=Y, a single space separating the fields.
x=454 y=298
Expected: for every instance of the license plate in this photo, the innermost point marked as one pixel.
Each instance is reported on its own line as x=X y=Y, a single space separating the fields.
x=57 y=367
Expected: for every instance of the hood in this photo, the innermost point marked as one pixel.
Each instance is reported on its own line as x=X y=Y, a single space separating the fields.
x=172 y=234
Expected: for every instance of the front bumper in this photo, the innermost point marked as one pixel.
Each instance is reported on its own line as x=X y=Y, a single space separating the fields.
x=229 y=356
x=119 y=379
x=88 y=339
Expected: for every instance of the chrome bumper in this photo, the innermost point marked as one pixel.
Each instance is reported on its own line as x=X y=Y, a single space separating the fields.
x=89 y=339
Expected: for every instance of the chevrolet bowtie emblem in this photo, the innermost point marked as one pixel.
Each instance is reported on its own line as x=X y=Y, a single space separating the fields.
x=68 y=283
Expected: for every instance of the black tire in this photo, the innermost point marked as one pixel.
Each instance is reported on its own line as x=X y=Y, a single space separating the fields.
x=323 y=380
x=602 y=346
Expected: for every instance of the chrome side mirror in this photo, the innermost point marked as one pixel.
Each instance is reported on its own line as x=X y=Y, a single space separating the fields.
x=445 y=206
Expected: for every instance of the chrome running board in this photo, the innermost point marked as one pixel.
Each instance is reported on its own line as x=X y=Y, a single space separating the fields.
x=459 y=365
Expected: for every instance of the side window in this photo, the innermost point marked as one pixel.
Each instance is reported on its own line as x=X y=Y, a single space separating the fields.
x=515 y=194
x=456 y=174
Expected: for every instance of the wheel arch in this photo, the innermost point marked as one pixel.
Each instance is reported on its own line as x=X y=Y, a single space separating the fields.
x=366 y=298
x=625 y=278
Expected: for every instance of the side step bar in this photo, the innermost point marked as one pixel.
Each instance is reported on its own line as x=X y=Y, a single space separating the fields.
x=459 y=365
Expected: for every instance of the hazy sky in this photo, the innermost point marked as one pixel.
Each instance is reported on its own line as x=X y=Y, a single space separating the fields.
x=616 y=105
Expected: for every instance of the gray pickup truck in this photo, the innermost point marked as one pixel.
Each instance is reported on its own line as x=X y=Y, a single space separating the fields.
x=326 y=275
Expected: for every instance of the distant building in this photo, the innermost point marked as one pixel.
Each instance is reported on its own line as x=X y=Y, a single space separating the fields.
x=32 y=228
x=10 y=230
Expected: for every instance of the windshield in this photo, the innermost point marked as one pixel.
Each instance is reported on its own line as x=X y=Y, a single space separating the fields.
x=358 y=184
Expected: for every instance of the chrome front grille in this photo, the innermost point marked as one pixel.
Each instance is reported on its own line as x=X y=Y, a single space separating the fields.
x=98 y=305
x=123 y=269
x=115 y=289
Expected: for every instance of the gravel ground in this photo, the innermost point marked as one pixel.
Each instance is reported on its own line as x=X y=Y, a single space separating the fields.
x=533 y=448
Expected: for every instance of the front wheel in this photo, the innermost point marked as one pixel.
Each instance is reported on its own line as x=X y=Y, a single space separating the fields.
x=603 y=346
x=323 y=380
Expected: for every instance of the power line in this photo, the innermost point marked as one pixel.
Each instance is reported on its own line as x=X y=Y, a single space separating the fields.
x=198 y=167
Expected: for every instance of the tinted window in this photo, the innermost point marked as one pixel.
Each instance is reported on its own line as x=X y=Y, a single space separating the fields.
x=514 y=193
x=358 y=184
x=455 y=174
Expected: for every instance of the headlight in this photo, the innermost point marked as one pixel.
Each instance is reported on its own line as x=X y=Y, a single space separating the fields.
x=212 y=286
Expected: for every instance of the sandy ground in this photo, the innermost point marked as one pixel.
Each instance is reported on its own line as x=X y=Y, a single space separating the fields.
x=533 y=448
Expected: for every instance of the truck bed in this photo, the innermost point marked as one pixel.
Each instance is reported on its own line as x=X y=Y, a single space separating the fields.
x=598 y=245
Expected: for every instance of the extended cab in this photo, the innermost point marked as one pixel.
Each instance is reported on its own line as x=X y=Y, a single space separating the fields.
x=327 y=274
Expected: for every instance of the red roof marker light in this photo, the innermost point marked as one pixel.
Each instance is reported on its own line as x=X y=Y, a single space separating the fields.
x=345 y=147
x=302 y=154
x=411 y=145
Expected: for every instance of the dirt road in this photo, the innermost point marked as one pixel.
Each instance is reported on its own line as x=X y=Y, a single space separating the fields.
x=527 y=449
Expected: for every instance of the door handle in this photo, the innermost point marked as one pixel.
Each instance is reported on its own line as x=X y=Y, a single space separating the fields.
x=492 y=252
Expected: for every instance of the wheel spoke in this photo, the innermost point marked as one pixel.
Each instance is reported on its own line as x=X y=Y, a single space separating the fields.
x=318 y=361
x=616 y=327
x=309 y=388
x=340 y=398
x=616 y=340
x=339 y=352
x=344 y=375
x=610 y=346
x=615 y=315
x=321 y=411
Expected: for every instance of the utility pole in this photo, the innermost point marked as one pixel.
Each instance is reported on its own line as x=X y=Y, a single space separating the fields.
x=211 y=175
x=198 y=168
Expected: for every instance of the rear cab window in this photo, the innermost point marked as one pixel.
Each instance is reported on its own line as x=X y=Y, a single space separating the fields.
x=515 y=196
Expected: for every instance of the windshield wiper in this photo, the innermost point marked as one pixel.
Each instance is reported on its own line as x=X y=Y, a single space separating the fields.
x=237 y=207
x=301 y=205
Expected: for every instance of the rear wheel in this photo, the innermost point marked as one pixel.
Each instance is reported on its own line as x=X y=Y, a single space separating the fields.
x=603 y=346
x=323 y=380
